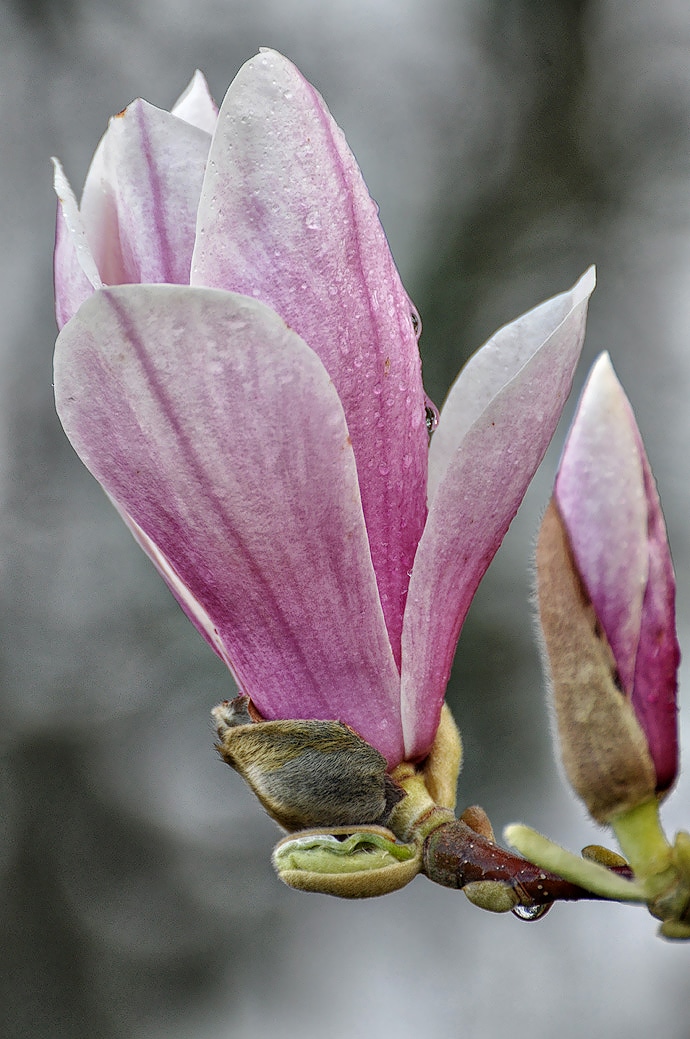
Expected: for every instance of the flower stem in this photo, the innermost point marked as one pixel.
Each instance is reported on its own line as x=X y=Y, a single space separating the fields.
x=643 y=841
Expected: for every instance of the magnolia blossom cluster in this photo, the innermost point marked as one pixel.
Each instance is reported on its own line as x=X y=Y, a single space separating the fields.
x=238 y=366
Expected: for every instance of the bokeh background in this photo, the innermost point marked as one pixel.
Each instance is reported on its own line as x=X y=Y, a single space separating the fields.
x=510 y=143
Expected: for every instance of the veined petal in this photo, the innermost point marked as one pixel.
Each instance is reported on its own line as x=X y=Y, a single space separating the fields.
x=285 y=217
x=218 y=431
x=76 y=274
x=482 y=483
x=191 y=606
x=141 y=196
x=196 y=106
x=655 y=686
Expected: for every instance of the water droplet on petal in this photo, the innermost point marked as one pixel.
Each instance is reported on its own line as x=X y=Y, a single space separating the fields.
x=431 y=412
x=312 y=220
x=530 y=913
x=416 y=321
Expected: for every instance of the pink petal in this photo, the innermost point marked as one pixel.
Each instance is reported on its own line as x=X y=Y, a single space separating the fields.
x=191 y=606
x=218 y=432
x=285 y=217
x=491 y=368
x=141 y=196
x=76 y=274
x=196 y=106
x=529 y=369
x=601 y=496
x=658 y=653
x=607 y=497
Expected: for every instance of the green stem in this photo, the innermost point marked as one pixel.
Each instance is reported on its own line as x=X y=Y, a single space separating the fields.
x=417 y=815
x=645 y=846
x=603 y=882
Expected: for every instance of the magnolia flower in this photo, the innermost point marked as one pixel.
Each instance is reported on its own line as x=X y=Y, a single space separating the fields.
x=606 y=591
x=238 y=367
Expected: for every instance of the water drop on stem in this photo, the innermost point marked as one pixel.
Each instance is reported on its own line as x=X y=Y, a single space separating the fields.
x=531 y=913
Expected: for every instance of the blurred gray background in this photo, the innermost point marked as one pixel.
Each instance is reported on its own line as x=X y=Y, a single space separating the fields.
x=510 y=143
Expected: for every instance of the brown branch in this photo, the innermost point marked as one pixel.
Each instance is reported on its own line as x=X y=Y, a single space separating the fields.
x=456 y=855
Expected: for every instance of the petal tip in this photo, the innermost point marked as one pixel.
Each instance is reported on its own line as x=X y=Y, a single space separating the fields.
x=61 y=185
x=585 y=285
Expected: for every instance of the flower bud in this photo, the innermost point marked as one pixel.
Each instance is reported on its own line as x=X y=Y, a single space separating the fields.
x=306 y=773
x=606 y=604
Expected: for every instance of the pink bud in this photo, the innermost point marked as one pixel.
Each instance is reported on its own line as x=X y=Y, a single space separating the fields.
x=607 y=499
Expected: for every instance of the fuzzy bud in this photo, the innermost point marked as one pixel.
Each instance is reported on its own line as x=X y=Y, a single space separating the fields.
x=606 y=605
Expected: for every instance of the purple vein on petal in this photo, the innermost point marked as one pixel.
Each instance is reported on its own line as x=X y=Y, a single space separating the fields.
x=285 y=217
x=160 y=194
x=654 y=696
x=141 y=195
x=655 y=687
x=240 y=473
x=157 y=199
x=191 y=460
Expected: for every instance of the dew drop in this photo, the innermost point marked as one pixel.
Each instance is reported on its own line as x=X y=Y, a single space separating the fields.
x=384 y=469
x=312 y=220
x=431 y=413
x=416 y=322
x=530 y=913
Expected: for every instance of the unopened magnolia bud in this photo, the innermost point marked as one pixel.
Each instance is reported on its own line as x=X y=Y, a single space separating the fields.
x=306 y=773
x=607 y=608
x=603 y=747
